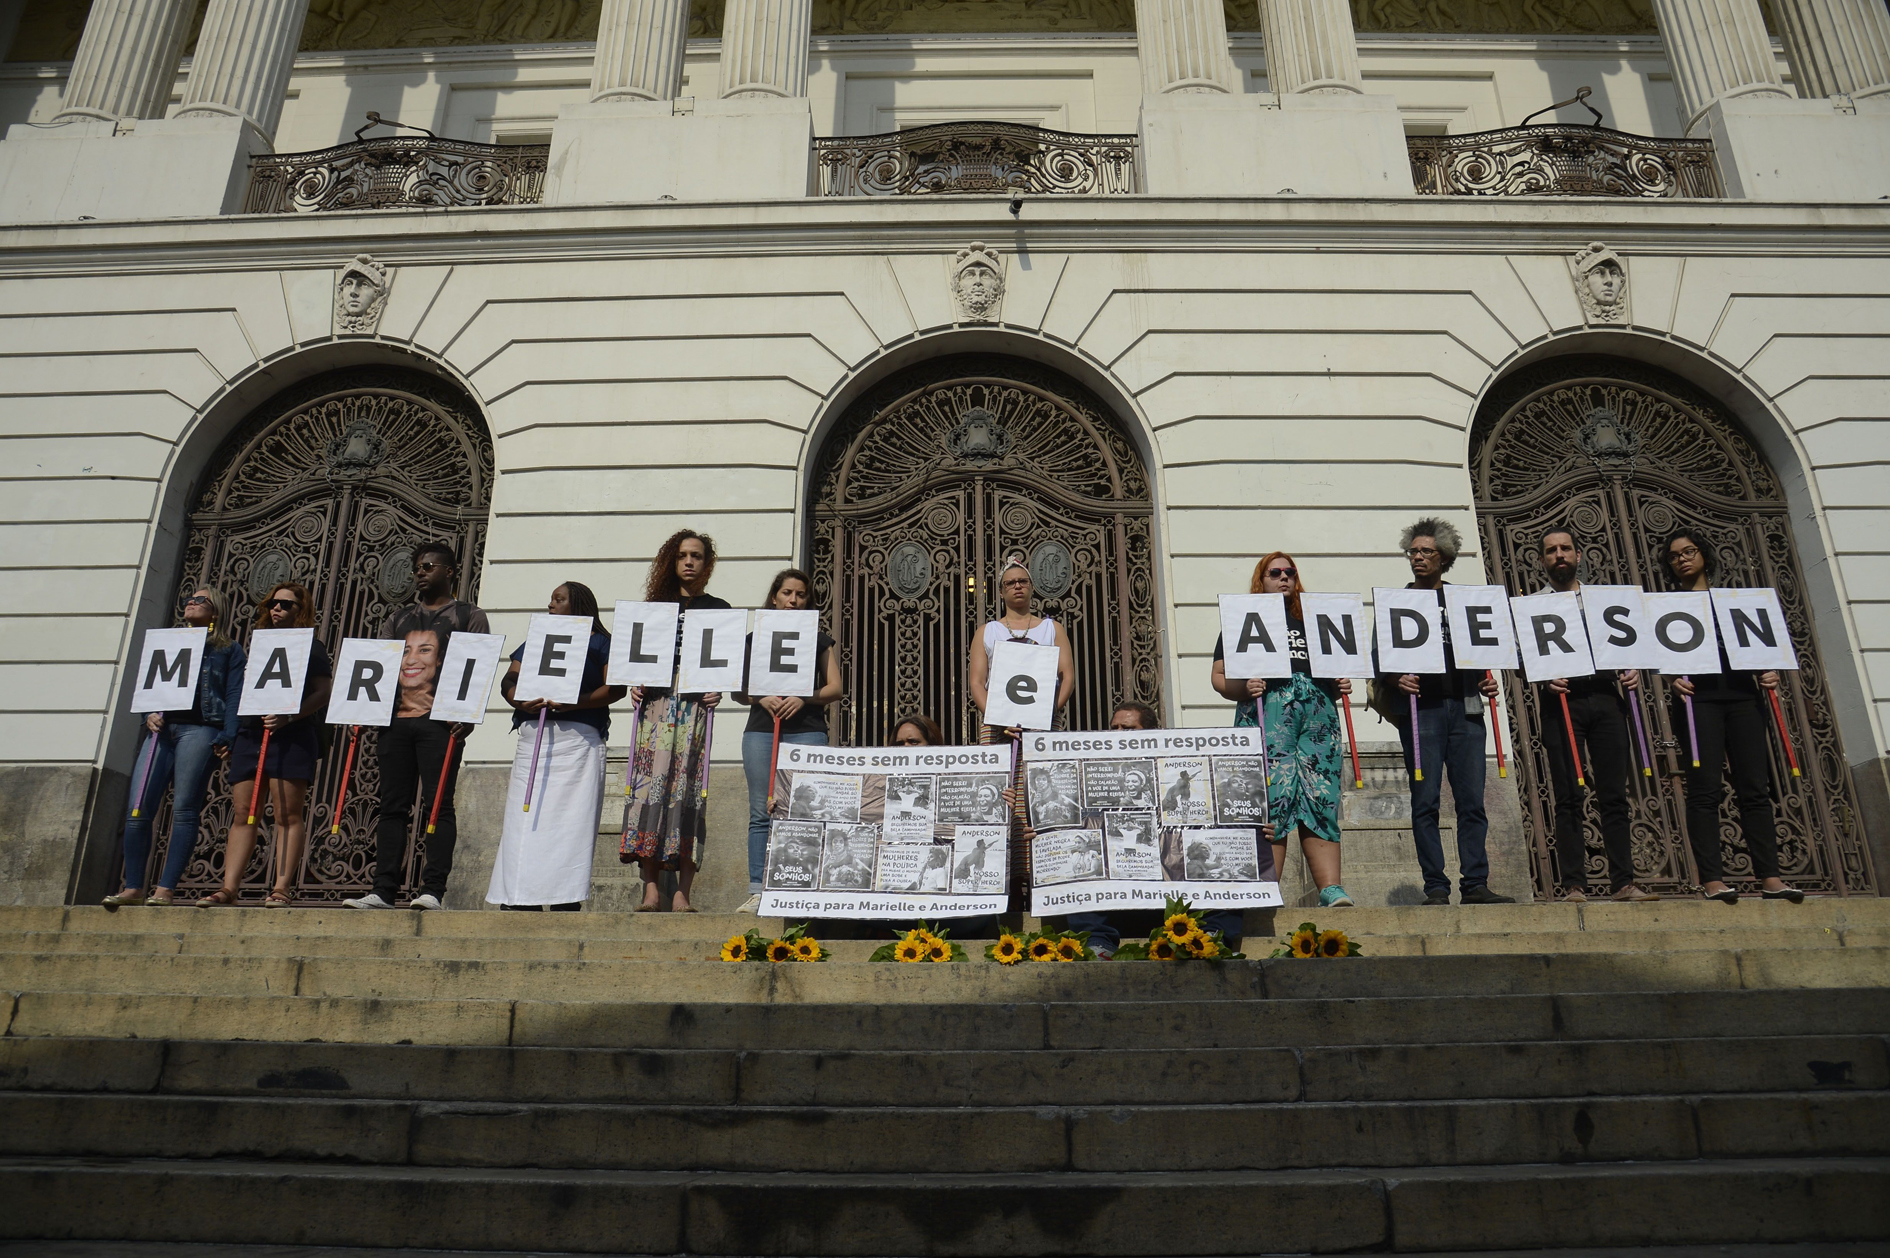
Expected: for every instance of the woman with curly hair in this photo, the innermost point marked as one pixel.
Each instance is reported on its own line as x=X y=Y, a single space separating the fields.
x=669 y=772
x=1302 y=727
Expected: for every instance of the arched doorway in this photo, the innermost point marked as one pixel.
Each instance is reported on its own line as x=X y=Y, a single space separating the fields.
x=1624 y=453
x=333 y=483
x=928 y=479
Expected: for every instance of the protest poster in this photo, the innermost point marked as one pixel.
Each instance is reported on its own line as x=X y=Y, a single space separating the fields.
x=1253 y=636
x=276 y=673
x=1752 y=626
x=1055 y=792
x=899 y=833
x=1337 y=644
x=781 y=653
x=643 y=644
x=1683 y=631
x=1164 y=813
x=712 y=650
x=168 y=665
x=366 y=682
x=472 y=661
x=1023 y=686
x=1481 y=634
x=552 y=664
x=1410 y=627
x=1618 y=634
x=1550 y=636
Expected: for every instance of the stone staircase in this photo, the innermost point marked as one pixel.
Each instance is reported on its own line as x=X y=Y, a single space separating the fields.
x=1482 y=1079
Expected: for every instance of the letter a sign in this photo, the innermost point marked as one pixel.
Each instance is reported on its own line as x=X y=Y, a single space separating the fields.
x=1023 y=689
x=278 y=668
x=166 y=680
x=1253 y=636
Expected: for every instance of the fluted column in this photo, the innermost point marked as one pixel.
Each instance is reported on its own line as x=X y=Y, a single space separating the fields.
x=127 y=59
x=1836 y=47
x=640 y=50
x=764 y=47
x=1311 y=46
x=1182 y=45
x=1717 y=49
x=244 y=54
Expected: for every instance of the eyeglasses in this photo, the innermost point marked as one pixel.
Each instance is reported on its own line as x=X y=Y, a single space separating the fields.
x=1422 y=552
x=195 y=599
x=282 y=604
x=1281 y=574
x=1691 y=552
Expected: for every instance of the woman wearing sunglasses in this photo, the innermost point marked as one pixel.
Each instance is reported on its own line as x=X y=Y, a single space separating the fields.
x=295 y=744
x=182 y=754
x=1303 y=752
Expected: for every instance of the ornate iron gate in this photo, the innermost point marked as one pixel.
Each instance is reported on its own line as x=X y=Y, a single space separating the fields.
x=927 y=482
x=1623 y=454
x=333 y=484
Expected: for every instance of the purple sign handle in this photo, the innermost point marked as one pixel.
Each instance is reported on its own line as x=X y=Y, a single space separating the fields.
x=629 y=779
x=1640 y=728
x=531 y=779
x=1693 y=729
x=1417 y=751
x=1266 y=768
x=144 y=774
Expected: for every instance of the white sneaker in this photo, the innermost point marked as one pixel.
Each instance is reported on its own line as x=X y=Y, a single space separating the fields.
x=368 y=901
x=425 y=902
x=751 y=905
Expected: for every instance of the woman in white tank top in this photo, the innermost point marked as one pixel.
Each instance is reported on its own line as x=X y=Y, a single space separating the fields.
x=1017 y=624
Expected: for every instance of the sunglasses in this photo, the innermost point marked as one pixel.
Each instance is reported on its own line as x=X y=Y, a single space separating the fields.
x=195 y=599
x=1279 y=574
x=282 y=604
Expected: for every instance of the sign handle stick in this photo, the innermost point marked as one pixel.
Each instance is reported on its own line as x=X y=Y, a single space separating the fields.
x=1568 y=724
x=1640 y=728
x=144 y=774
x=446 y=767
x=774 y=758
x=1417 y=750
x=1358 y=779
x=1693 y=729
x=1496 y=728
x=347 y=770
x=1778 y=714
x=538 y=743
x=629 y=781
x=255 y=788
x=708 y=756
x=1260 y=718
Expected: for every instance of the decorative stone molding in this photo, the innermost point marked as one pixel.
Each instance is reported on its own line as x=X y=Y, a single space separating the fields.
x=977 y=284
x=361 y=295
x=1601 y=284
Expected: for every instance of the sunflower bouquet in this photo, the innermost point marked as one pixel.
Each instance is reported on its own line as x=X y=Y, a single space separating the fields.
x=1182 y=936
x=795 y=945
x=1309 y=943
x=1041 y=945
x=921 y=944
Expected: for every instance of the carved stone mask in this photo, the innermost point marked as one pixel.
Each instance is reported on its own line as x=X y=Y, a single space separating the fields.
x=977 y=283
x=358 y=293
x=361 y=294
x=1607 y=283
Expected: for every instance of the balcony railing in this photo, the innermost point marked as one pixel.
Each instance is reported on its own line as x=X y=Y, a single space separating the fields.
x=970 y=157
x=423 y=171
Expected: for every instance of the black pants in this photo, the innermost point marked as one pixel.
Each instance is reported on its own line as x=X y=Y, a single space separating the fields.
x=412 y=750
x=1601 y=731
x=1732 y=727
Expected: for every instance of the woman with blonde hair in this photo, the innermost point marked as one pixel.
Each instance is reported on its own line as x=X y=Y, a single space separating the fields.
x=1302 y=730
x=1017 y=623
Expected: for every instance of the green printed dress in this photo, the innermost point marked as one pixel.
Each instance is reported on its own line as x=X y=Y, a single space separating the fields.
x=1304 y=757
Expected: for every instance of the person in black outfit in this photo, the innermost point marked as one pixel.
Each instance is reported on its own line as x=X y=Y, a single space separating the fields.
x=1729 y=713
x=412 y=749
x=1600 y=718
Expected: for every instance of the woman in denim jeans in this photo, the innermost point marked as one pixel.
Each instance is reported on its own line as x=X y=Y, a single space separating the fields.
x=183 y=754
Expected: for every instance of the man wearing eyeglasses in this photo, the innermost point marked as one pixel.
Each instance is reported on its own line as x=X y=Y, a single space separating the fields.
x=1451 y=731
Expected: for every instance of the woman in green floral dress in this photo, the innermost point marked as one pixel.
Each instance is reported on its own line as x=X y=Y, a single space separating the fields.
x=1304 y=759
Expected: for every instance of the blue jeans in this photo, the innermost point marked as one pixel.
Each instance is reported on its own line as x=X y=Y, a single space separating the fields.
x=755 y=747
x=1452 y=740
x=184 y=757
x=1105 y=929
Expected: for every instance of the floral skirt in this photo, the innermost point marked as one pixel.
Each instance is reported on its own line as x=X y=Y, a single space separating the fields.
x=1303 y=756
x=669 y=783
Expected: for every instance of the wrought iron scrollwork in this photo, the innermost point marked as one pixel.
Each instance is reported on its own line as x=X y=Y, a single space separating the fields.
x=1559 y=160
x=966 y=157
x=394 y=172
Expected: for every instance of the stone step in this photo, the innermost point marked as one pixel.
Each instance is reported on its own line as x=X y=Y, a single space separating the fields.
x=912 y=1208
x=1007 y=1025
x=948 y=1077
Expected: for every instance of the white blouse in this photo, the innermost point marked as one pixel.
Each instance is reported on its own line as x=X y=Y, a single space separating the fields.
x=995 y=631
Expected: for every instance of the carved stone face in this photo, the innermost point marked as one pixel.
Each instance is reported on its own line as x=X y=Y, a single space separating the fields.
x=978 y=289
x=358 y=294
x=1605 y=284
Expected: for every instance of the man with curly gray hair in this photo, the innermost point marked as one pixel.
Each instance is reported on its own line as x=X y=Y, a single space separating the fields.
x=1451 y=734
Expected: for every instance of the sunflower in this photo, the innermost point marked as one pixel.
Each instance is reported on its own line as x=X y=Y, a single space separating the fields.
x=1333 y=943
x=1069 y=950
x=1304 y=943
x=1179 y=926
x=806 y=949
x=1162 y=950
x=918 y=936
x=1203 y=948
x=909 y=950
x=1008 y=950
x=780 y=950
x=938 y=950
x=1042 y=950
x=736 y=949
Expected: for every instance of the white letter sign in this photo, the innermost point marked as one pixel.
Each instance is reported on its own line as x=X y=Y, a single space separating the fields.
x=1253 y=636
x=1481 y=635
x=278 y=668
x=1549 y=633
x=1336 y=642
x=1410 y=631
x=552 y=666
x=367 y=681
x=1618 y=633
x=166 y=680
x=1683 y=631
x=781 y=661
x=712 y=650
x=643 y=645
x=472 y=660
x=1752 y=625
x=1023 y=690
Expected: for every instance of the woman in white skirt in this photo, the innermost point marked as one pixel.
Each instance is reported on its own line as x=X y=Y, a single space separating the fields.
x=545 y=854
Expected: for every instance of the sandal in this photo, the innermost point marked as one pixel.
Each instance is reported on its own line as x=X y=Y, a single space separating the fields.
x=217 y=899
x=279 y=900
x=1784 y=893
x=162 y=898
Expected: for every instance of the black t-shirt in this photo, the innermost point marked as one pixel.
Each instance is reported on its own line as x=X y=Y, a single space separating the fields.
x=596 y=662
x=812 y=718
x=1295 y=651
x=318 y=667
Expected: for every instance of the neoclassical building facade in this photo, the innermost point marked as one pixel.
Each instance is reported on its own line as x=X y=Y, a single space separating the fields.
x=888 y=290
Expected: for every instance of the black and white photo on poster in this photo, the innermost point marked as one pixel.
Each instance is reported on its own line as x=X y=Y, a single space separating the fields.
x=793 y=856
x=1112 y=784
x=1066 y=856
x=1229 y=855
x=1187 y=795
x=909 y=809
x=825 y=797
x=1133 y=841
x=972 y=799
x=1054 y=792
x=1240 y=790
x=980 y=859
x=935 y=877
x=900 y=864
x=846 y=858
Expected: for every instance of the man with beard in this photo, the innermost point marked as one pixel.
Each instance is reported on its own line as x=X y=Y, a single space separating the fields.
x=1599 y=715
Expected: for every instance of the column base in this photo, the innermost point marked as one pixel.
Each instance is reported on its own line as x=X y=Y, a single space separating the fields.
x=1318 y=145
x=1772 y=148
x=747 y=149
x=130 y=169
